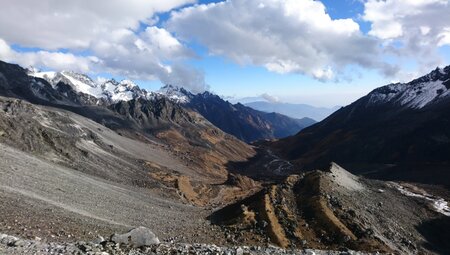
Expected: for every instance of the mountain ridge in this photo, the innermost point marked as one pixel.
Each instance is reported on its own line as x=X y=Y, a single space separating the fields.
x=388 y=138
x=247 y=124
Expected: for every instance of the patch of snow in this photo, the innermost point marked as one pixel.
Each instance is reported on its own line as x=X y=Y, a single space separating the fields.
x=439 y=204
x=48 y=76
x=128 y=84
x=109 y=89
x=174 y=93
x=83 y=84
x=416 y=94
x=122 y=96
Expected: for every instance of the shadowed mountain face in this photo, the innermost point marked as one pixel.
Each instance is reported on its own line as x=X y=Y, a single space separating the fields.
x=149 y=117
x=244 y=122
x=399 y=131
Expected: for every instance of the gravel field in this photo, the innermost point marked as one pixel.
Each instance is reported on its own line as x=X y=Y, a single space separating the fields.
x=32 y=190
x=15 y=246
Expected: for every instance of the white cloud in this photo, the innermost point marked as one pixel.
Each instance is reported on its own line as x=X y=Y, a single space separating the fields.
x=414 y=28
x=269 y=98
x=181 y=75
x=110 y=31
x=284 y=36
x=54 y=24
x=52 y=60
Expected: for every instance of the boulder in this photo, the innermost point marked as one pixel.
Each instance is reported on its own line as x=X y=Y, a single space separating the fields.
x=136 y=238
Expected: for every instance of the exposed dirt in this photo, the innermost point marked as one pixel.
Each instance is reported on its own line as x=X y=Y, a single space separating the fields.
x=333 y=210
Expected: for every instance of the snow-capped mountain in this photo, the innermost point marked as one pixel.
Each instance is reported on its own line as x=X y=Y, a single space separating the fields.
x=176 y=94
x=243 y=122
x=431 y=88
x=124 y=90
x=396 y=131
x=109 y=89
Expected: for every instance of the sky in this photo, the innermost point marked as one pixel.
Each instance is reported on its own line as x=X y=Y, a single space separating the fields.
x=323 y=53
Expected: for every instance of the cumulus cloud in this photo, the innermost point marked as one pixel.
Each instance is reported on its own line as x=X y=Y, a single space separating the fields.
x=284 y=36
x=184 y=76
x=413 y=29
x=117 y=35
x=55 y=24
x=52 y=60
x=269 y=98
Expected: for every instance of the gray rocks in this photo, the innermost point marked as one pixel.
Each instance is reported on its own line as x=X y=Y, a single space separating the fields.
x=8 y=240
x=138 y=237
x=99 y=240
x=13 y=245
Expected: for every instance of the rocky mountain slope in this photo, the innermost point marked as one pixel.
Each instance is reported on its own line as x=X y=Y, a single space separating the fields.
x=244 y=122
x=399 y=131
x=155 y=119
x=333 y=209
x=65 y=177
x=238 y=120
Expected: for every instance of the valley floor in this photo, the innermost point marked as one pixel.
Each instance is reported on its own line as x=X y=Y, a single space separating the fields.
x=65 y=179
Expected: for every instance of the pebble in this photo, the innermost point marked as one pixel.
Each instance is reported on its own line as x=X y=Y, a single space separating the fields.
x=14 y=245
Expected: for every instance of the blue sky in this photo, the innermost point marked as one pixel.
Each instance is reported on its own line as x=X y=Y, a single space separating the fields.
x=231 y=80
x=323 y=53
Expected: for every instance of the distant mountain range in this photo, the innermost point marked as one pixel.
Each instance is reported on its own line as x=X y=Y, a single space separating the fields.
x=293 y=110
x=398 y=131
x=70 y=89
x=239 y=120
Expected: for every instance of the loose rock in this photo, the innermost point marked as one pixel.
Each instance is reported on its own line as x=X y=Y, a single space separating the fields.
x=138 y=237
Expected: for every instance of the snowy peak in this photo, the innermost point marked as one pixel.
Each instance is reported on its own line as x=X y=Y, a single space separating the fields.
x=426 y=90
x=175 y=93
x=108 y=89
x=129 y=84
x=124 y=90
x=79 y=82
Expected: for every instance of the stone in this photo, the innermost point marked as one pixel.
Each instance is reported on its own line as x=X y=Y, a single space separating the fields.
x=310 y=252
x=239 y=251
x=9 y=240
x=99 y=240
x=20 y=243
x=136 y=238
